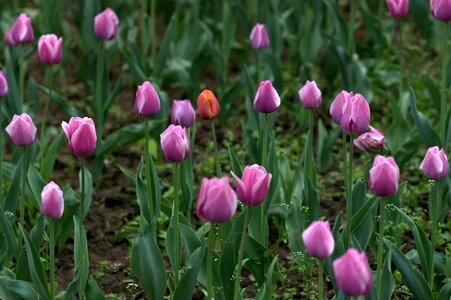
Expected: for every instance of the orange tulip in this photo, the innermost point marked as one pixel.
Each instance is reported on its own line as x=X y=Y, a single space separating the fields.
x=208 y=105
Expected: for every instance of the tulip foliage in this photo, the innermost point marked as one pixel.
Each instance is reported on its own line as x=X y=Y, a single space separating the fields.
x=269 y=180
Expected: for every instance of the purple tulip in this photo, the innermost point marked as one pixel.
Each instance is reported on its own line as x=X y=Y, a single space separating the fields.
x=356 y=115
x=52 y=203
x=384 y=176
x=318 y=240
x=22 y=130
x=81 y=136
x=266 y=100
x=147 y=102
x=216 y=202
x=22 y=31
x=105 y=24
x=253 y=186
x=3 y=85
x=50 y=49
x=435 y=163
x=259 y=37
x=182 y=113
x=9 y=39
x=353 y=274
x=398 y=8
x=441 y=10
x=310 y=95
x=175 y=143
x=370 y=141
x=338 y=106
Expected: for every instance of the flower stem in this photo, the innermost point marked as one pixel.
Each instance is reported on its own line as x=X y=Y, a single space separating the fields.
x=380 y=248
x=82 y=203
x=1 y=153
x=148 y=179
x=241 y=255
x=21 y=75
x=434 y=219
x=348 y=186
x=265 y=141
x=211 y=245
x=46 y=109
x=309 y=169
x=153 y=35
x=443 y=108
x=320 y=280
x=22 y=198
x=257 y=66
x=52 y=257
x=215 y=141
x=98 y=95
x=175 y=215
x=351 y=33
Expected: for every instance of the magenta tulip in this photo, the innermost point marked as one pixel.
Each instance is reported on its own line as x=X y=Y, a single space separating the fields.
x=338 y=106
x=22 y=31
x=384 y=176
x=267 y=99
x=3 y=85
x=253 y=186
x=105 y=24
x=52 y=203
x=441 y=10
x=22 y=130
x=175 y=143
x=147 y=102
x=318 y=239
x=182 y=113
x=217 y=201
x=259 y=37
x=370 y=141
x=81 y=136
x=398 y=8
x=356 y=115
x=50 y=49
x=435 y=163
x=9 y=39
x=310 y=95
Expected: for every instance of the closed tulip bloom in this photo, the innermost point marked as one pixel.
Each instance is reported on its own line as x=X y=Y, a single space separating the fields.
x=267 y=99
x=50 y=49
x=105 y=24
x=259 y=37
x=353 y=274
x=22 y=31
x=216 y=202
x=182 y=113
x=207 y=105
x=318 y=239
x=441 y=10
x=338 y=106
x=22 y=130
x=147 y=102
x=175 y=143
x=9 y=39
x=370 y=141
x=3 y=85
x=310 y=95
x=81 y=136
x=52 y=201
x=253 y=186
x=384 y=176
x=398 y=8
x=435 y=163
x=356 y=115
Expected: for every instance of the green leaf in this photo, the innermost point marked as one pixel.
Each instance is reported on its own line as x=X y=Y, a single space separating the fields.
x=36 y=184
x=164 y=49
x=266 y=292
x=88 y=191
x=187 y=284
x=37 y=233
x=19 y=288
x=445 y=292
x=7 y=229
x=388 y=281
x=93 y=291
x=13 y=193
x=235 y=163
x=48 y=162
x=141 y=193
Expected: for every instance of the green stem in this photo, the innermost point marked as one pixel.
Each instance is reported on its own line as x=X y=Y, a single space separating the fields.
x=224 y=47
x=434 y=221
x=215 y=141
x=52 y=257
x=153 y=34
x=22 y=198
x=46 y=109
x=98 y=99
x=265 y=141
x=257 y=66
x=380 y=248
x=241 y=255
x=320 y=280
x=443 y=108
x=211 y=245
x=175 y=215
x=82 y=203
x=348 y=186
x=148 y=177
x=21 y=75
x=1 y=153
x=309 y=159
x=351 y=33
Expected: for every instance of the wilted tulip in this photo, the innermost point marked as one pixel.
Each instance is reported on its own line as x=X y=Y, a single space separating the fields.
x=259 y=37
x=217 y=201
x=175 y=143
x=50 y=49
x=253 y=185
x=384 y=176
x=398 y=8
x=182 y=113
x=207 y=105
x=52 y=203
x=3 y=85
x=81 y=136
x=266 y=99
x=21 y=32
x=356 y=115
x=147 y=102
x=353 y=274
x=370 y=141
x=310 y=95
x=9 y=39
x=338 y=106
x=318 y=240
x=22 y=130
x=441 y=10
x=105 y=24
x=435 y=163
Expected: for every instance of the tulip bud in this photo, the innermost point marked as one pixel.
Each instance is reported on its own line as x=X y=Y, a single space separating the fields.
x=398 y=8
x=105 y=24
x=384 y=176
x=22 y=130
x=50 y=49
x=318 y=240
x=182 y=113
x=267 y=99
x=253 y=185
x=3 y=85
x=441 y=10
x=175 y=143
x=9 y=39
x=370 y=141
x=81 y=136
x=207 y=105
x=52 y=203
x=22 y=31
x=147 y=102
x=259 y=37
x=338 y=106
x=310 y=95
x=356 y=115
x=435 y=163
x=353 y=274
x=216 y=202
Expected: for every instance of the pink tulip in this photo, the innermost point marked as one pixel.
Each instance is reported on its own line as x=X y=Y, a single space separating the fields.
x=22 y=31
x=310 y=95
x=353 y=274
x=384 y=176
x=398 y=8
x=52 y=203
x=81 y=136
x=50 y=49
x=147 y=102
x=3 y=85
x=356 y=115
x=9 y=39
x=370 y=141
x=182 y=113
x=338 y=106
x=216 y=202
x=253 y=186
x=175 y=143
x=318 y=239
x=105 y=24
x=259 y=37
x=22 y=130
x=441 y=10
x=266 y=100
x=435 y=163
